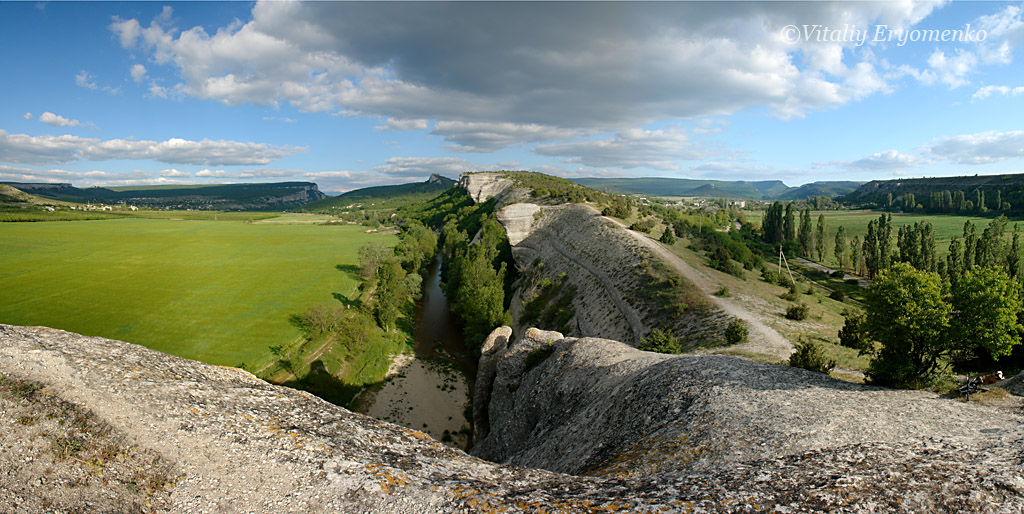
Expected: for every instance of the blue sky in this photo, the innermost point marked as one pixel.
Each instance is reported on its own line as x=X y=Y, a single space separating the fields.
x=351 y=94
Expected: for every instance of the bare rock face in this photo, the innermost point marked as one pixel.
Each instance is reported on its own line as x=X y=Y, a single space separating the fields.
x=518 y=220
x=596 y=407
x=483 y=186
x=668 y=433
x=606 y=266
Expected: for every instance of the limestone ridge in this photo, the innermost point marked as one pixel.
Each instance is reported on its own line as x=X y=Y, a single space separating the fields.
x=483 y=186
x=601 y=261
x=666 y=433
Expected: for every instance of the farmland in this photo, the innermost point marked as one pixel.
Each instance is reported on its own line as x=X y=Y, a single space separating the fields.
x=219 y=291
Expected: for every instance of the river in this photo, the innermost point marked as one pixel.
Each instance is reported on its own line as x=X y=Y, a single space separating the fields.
x=431 y=393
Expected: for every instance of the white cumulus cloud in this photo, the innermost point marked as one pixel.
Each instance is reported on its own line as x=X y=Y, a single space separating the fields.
x=138 y=73
x=633 y=148
x=56 y=120
x=173 y=173
x=988 y=91
x=981 y=148
x=887 y=160
x=568 y=65
x=401 y=125
x=22 y=148
x=214 y=173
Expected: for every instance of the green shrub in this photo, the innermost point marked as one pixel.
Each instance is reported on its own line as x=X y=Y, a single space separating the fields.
x=852 y=281
x=837 y=295
x=852 y=334
x=723 y=292
x=837 y=274
x=811 y=357
x=661 y=342
x=736 y=332
x=797 y=312
x=792 y=295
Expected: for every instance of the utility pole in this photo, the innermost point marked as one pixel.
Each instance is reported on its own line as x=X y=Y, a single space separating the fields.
x=782 y=258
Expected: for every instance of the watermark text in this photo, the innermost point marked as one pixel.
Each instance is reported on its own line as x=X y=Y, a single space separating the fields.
x=814 y=33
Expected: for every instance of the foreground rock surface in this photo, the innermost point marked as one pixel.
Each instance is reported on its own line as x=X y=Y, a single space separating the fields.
x=590 y=406
x=225 y=441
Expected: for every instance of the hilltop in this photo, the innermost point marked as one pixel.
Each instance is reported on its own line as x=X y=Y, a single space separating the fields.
x=226 y=197
x=931 y=193
x=10 y=195
x=383 y=197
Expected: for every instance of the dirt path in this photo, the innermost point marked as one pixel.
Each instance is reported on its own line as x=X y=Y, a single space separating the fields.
x=287 y=376
x=763 y=339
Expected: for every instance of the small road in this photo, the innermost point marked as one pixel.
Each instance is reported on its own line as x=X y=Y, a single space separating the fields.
x=763 y=339
x=826 y=269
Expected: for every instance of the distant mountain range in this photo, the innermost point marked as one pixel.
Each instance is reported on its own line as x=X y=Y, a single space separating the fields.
x=752 y=190
x=226 y=197
x=1010 y=185
x=384 y=197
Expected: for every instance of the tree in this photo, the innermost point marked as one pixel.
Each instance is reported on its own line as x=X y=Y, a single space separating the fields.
x=970 y=243
x=789 y=224
x=907 y=315
x=371 y=255
x=480 y=295
x=1013 y=256
x=391 y=292
x=840 y=249
x=986 y=304
x=990 y=248
x=852 y=334
x=917 y=245
x=884 y=241
x=955 y=261
x=870 y=250
x=667 y=237
x=821 y=238
x=856 y=256
x=804 y=236
x=771 y=226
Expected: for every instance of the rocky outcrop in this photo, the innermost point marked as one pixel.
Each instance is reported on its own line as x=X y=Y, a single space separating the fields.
x=609 y=270
x=214 y=439
x=598 y=407
x=518 y=220
x=484 y=185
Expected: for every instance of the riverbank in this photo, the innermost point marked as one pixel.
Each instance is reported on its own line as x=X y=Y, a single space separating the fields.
x=430 y=392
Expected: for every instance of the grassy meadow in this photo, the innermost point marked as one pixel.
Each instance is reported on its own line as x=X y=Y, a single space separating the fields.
x=946 y=226
x=218 y=291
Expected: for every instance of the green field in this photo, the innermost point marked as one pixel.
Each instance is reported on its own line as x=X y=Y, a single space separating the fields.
x=856 y=222
x=217 y=291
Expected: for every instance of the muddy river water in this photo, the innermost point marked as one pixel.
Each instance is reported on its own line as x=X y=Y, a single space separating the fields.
x=431 y=393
